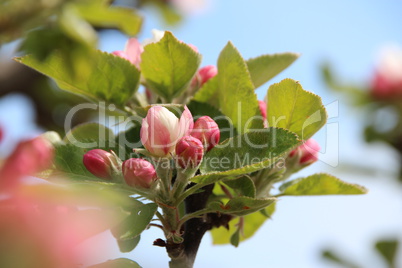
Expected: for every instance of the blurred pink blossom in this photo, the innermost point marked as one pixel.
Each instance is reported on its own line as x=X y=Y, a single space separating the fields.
x=387 y=80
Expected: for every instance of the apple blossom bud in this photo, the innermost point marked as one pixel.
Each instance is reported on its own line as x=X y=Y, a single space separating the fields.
x=189 y=151
x=132 y=52
x=100 y=163
x=27 y=159
x=207 y=131
x=387 y=81
x=161 y=130
x=1 y=134
x=206 y=73
x=308 y=152
x=138 y=172
x=193 y=47
x=263 y=108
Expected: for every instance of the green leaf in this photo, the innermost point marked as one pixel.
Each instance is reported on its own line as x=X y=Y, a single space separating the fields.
x=388 y=250
x=265 y=67
x=243 y=185
x=136 y=222
x=68 y=160
x=129 y=244
x=320 y=184
x=235 y=238
x=199 y=109
x=236 y=94
x=293 y=108
x=104 y=77
x=125 y=19
x=89 y=131
x=117 y=263
x=168 y=66
x=208 y=93
x=251 y=223
x=245 y=154
x=241 y=206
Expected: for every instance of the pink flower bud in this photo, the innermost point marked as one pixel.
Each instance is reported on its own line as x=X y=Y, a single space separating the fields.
x=207 y=131
x=27 y=159
x=387 y=81
x=308 y=152
x=189 y=151
x=138 y=172
x=263 y=109
x=161 y=130
x=132 y=52
x=100 y=163
x=193 y=47
x=1 y=134
x=206 y=73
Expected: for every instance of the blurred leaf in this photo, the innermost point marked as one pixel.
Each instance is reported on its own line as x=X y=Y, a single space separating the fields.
x=265 y=67
x=332 y=256
x=124 y=19
x=19 y=16
x=241 y=206
x=108 y=77
x=251 y=224
x=117 y=263
x=89 y=131
x=388 y=250
x=320 y=184
x=235 y=238
x=245 y=154
x=34 y=43
x=169 y=14
x=168 y=66
x=76 y=28
x=136 y=222
x=293 y=108
x=199 y=109
x=128 y=245
x=356 y=95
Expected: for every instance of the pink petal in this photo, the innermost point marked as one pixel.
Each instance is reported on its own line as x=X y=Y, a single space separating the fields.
x=134 y=50
x=186 y=123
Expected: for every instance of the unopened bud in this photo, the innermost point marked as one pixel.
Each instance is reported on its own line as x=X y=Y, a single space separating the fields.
x=100 y=163
x=206 y=73
x=308 y=152
x=263 y=108
x=207 y=131
x=161 y=130
x=189 y=151
x=138 y=172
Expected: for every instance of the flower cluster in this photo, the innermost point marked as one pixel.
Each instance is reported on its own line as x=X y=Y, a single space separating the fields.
x=163 y=135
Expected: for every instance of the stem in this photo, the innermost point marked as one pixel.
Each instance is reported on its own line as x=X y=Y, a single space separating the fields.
x=183 y=255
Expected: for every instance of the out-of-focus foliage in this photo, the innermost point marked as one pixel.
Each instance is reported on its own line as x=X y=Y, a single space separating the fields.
x=386 y=249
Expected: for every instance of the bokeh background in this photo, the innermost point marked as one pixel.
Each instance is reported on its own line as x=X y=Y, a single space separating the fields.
x=348 y=35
